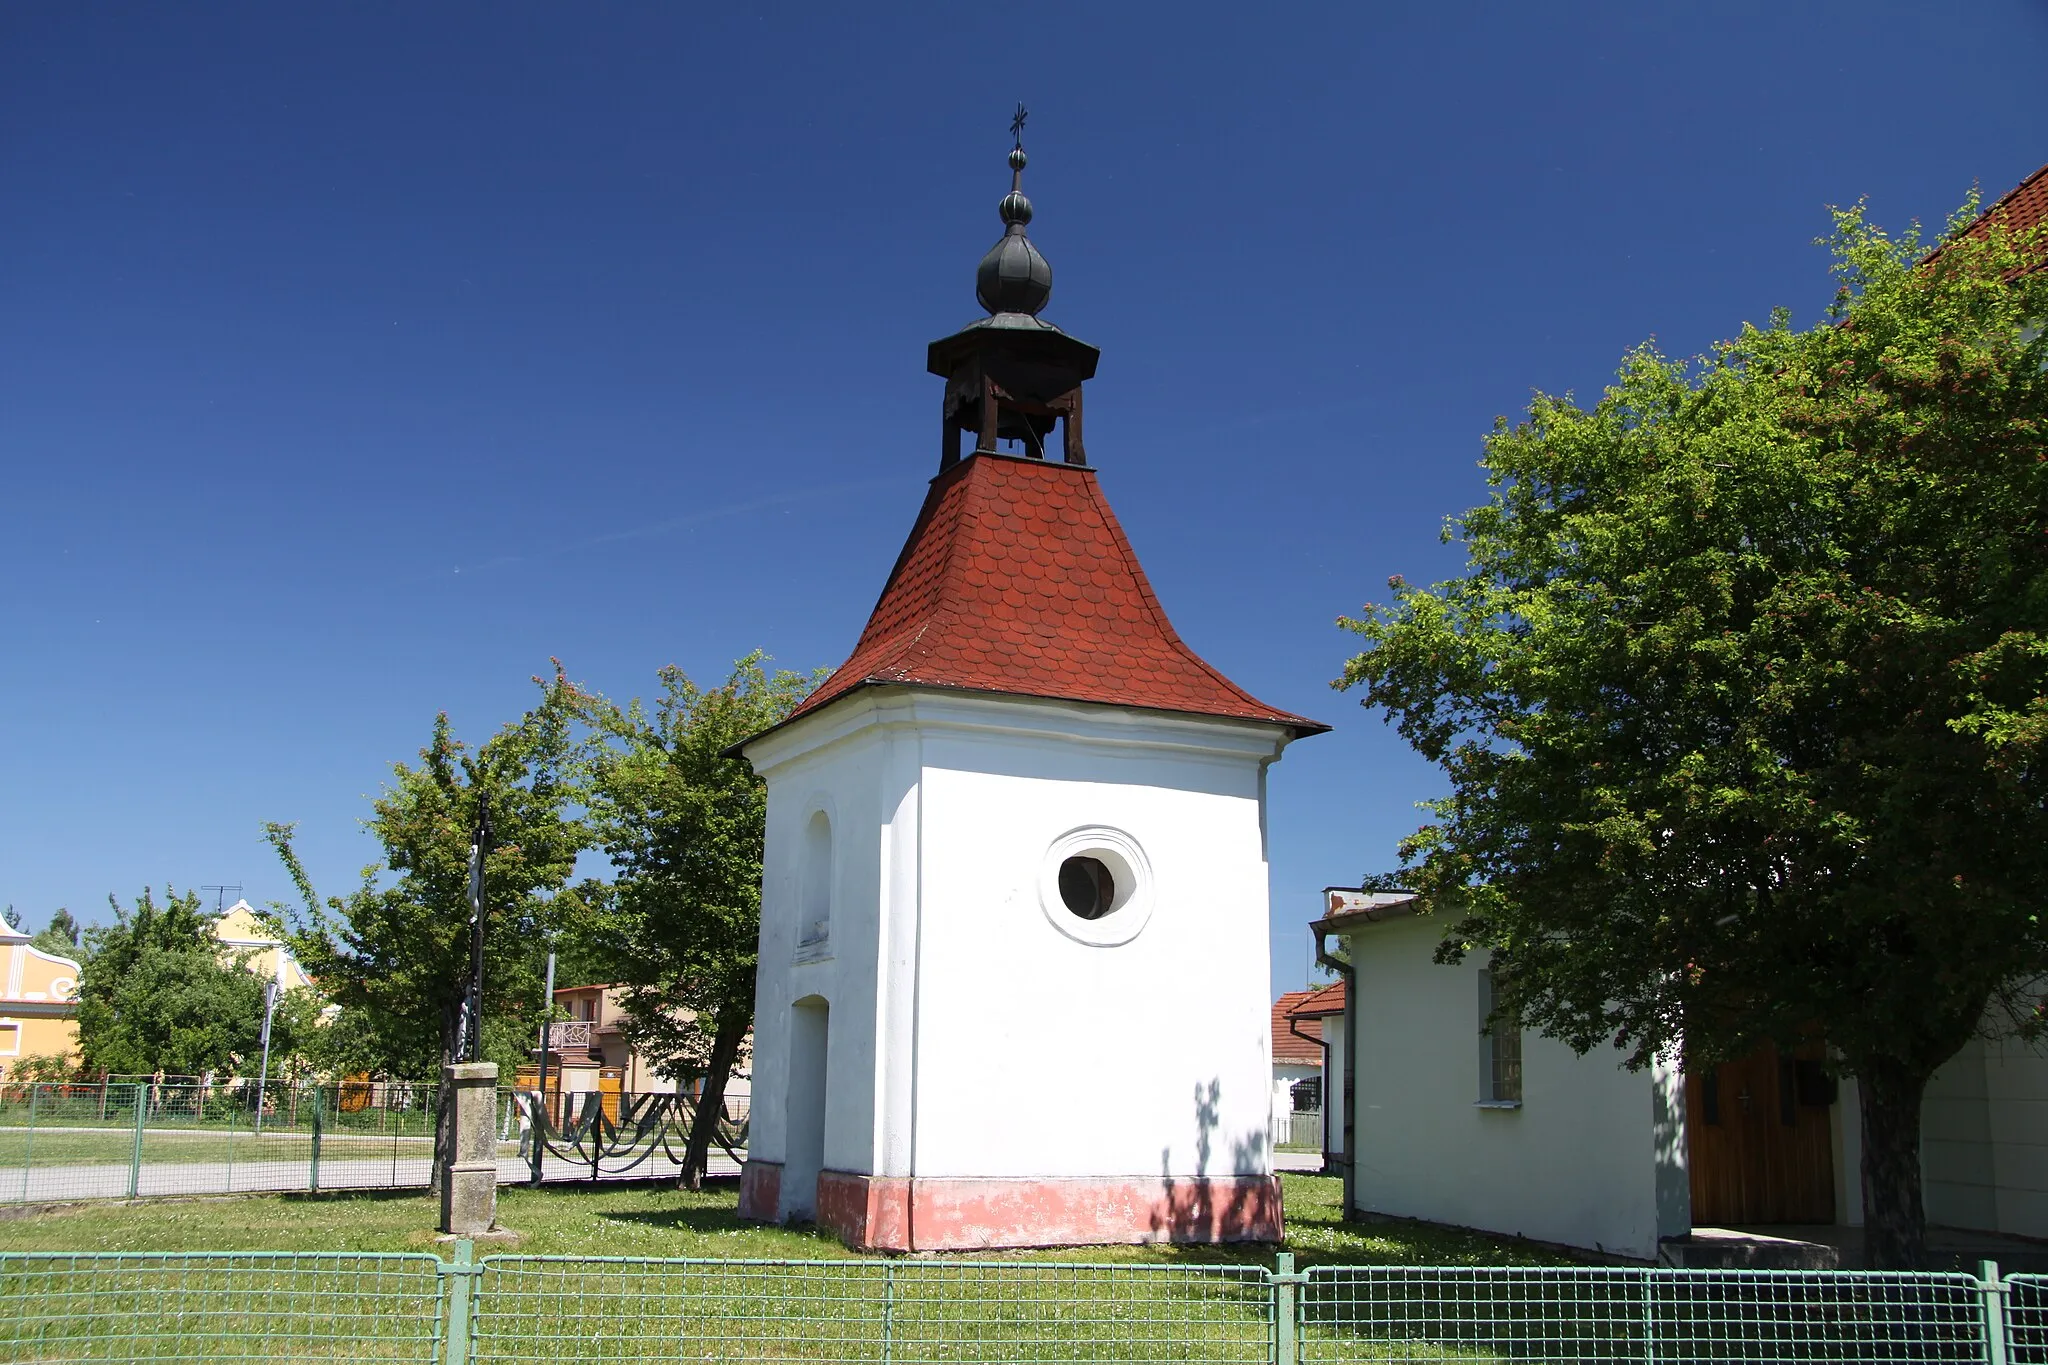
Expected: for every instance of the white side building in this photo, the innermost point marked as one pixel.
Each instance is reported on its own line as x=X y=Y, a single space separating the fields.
x=1515 y=1133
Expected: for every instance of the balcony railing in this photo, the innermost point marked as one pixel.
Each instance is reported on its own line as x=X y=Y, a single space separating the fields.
x=571 y=1033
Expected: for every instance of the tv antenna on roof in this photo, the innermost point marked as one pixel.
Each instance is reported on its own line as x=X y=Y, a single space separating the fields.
x=220 y=894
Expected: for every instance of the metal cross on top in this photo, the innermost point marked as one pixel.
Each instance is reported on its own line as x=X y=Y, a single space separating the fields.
x=1017 y=123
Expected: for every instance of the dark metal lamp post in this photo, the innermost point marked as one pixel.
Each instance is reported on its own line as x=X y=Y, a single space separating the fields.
x=470 y=1045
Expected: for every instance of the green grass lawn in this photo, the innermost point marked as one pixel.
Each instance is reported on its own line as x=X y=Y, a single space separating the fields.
x=1147 y=1304
x=989 y=1307
x=654 y=1220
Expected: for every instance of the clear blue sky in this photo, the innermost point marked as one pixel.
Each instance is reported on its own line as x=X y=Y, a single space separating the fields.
x=356 y=359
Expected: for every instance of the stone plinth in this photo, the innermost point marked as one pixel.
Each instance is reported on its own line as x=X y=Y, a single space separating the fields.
x=469 y=1177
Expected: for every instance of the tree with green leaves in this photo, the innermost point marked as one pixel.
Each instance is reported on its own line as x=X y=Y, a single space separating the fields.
x=157 y=991
x=43 y=1069
x=1743 y=699
x=683 y=822
x=60 y=937
x=394 y=954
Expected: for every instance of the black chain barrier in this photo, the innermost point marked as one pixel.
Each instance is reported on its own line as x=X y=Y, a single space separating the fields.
x=647 y=1125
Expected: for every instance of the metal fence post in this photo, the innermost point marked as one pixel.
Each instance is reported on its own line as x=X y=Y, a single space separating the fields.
x=1992 y=1291
x=313 y=1173
x=888 y=1312
x=233 y=1114
x=460 y=1276
x=28 y=1154
x=1649 y=1317
x=537 y=1128
x=1286 y=1303
x=141 y=1118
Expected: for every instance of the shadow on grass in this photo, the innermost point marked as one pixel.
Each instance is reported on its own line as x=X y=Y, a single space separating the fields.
x=698 y=1219
x=715 y=1187
x=334 y=1198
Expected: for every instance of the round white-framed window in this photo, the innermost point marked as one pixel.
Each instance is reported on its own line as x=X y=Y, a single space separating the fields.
x=1095 y=886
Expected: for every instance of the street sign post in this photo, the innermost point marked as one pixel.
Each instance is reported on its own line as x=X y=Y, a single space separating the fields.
x=263 y=1075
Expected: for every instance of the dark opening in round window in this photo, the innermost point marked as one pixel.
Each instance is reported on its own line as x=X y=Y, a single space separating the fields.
x=1087 y=887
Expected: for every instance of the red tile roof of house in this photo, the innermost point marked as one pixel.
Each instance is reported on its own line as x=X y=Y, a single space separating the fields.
x=2022 y=207
x=1289 y=1046
x=1325 y=1000
x=1017 y=579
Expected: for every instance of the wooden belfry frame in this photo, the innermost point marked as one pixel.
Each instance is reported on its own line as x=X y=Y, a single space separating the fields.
x=976 y=401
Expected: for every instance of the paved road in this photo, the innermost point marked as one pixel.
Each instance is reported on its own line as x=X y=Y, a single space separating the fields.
x=50 y=1184
x=109 y=1180
x=1298 y=1161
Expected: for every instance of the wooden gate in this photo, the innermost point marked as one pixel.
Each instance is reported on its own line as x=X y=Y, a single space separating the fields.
x=608 y=1085
x=1760 y=1142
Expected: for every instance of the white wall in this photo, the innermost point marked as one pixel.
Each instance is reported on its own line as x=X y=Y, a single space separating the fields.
x=847 y=774
x=1984 y=1140
x=1333 y=1084
x=1187 y=994
x=972 y=1028
x=1956 y=1161
x=1286 y=1075
x=1592 y=1158
x=2016 y=1091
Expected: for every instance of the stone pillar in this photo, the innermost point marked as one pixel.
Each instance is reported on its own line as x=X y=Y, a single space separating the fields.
x=469 y=1182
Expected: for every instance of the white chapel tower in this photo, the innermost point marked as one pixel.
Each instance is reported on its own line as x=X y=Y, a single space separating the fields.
x=1014 y=957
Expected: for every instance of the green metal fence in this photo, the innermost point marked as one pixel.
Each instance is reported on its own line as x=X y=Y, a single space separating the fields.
x=123 y=1140
x=130 y=1139
x=215 y=1307
x=1616 y=1315
x=203 y=1308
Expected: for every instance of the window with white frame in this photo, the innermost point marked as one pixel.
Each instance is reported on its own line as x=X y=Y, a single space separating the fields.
x=1500 y=1051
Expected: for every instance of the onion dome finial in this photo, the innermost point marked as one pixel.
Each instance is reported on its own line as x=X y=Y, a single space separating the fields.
x=1013 y=277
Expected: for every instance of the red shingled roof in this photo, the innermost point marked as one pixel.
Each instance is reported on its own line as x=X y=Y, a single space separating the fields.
x=1288 y=1046
x=1325 y=1000
x=1017 y=579
x=2020 y=208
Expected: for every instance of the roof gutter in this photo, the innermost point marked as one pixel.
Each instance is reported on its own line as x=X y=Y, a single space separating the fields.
x=1294 y=1027
x=1346 y=1167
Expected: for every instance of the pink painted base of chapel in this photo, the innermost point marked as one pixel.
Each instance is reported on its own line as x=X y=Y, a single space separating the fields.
x=899 y=1213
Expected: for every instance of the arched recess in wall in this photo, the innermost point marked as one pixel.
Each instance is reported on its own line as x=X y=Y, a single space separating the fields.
x=814 y=890
x=804 y=1107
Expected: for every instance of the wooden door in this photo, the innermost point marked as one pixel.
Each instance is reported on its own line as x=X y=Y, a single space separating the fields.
x=608 y=1092
x=1760 y=1142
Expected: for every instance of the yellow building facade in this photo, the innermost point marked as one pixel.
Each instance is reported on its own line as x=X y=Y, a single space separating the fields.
x=38 y=1003
x=239 y=931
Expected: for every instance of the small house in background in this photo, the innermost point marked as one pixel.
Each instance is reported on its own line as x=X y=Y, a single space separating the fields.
x=1322 y=1016
x=1297 y=1079
x=588 y=1053
x=38 y=1002
x=1308 y=1041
